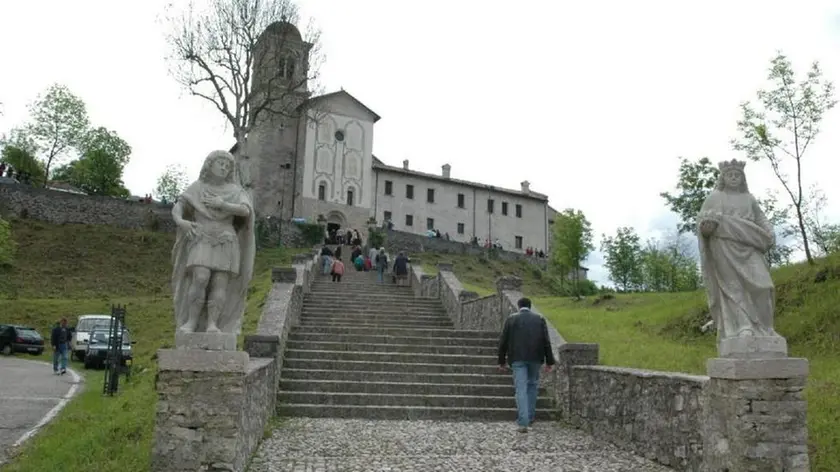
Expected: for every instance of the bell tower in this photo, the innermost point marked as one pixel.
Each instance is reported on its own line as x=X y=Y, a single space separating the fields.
x=280 y=85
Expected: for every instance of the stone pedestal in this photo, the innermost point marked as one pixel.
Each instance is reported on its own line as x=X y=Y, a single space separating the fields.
x=754 y=347
x=756 y=415
x=202 y=386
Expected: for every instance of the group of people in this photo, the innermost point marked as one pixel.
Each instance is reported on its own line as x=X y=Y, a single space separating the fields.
x=6 y=170
x=351 y=237
x=375 y=259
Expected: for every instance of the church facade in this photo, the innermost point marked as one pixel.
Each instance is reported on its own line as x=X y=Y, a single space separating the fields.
x=318 y=163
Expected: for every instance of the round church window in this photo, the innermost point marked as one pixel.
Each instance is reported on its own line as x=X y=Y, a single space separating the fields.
x=339 y=135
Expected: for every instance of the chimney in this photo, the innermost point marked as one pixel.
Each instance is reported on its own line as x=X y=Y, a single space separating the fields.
x=526 y=186
x=405 y=164
x=446 y=169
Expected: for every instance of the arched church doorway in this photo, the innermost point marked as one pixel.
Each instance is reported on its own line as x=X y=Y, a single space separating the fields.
x=335 y=221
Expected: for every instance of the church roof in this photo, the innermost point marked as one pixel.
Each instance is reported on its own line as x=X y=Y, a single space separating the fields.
x=313 y=100
x=379 y=165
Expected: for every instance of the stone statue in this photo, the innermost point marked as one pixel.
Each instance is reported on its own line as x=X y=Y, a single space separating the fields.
x=213 y=256
x=734 y=236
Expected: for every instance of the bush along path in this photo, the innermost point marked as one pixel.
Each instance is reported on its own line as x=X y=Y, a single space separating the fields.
x=375 y=378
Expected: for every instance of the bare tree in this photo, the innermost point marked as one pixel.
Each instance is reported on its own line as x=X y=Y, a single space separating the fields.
x=246 y=57
x=786 y=123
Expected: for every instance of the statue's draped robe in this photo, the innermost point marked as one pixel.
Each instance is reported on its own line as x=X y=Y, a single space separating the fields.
x=736 y=274
x=230 y=319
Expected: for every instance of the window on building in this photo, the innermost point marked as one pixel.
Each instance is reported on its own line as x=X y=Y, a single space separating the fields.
x=430 y=195
x=287 y=67
x=386 y=216
x=389 y=187
x=504 y=208
x=518 y=242
x=350 y=197
x=409 y=192
x=430 y=223
x=519 y=211
x=322 y=191
x=460 y=228
x=490 y=205
x=461 y=200
x=409 y=220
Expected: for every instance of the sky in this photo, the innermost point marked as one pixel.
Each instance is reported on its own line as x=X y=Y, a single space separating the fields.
x=592 y=102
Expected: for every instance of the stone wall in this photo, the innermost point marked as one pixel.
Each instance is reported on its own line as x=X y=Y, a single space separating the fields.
x=411 y=243
x=482 y=314
x=424 y=285
x=53 y=206
x=658 y=415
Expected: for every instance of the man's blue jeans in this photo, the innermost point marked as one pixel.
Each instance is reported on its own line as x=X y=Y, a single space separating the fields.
x=381 y=271
x=60 y=356
x=526 y=380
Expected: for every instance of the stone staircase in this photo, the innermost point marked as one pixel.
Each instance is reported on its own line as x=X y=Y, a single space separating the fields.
x=373 y=351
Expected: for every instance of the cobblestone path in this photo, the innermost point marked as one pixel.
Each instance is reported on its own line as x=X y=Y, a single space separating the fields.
x=340 y=445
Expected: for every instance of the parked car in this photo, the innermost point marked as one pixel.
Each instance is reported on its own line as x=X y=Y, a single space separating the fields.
x=96 y=354
x=86 y=324
x=17 y=338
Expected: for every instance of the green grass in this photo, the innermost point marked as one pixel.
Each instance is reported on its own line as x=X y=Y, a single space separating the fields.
x=95 y=432
x=479 y=275
x=660 y=332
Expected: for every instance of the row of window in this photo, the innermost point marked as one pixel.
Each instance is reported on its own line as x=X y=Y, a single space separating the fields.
x=430 y=198
x=322 y=194
x=430 y=225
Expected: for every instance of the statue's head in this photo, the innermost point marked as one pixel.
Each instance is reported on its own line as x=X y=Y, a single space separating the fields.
x=732 y=176
x=218 y=165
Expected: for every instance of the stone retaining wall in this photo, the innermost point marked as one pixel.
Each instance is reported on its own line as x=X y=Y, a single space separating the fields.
x=412 y=243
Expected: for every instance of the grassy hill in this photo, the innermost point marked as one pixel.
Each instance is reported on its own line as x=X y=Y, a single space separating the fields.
x=479 y=275
x=68 y=270
x=661 y=332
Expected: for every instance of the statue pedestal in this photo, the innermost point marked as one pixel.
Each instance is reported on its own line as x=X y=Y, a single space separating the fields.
x=202 y=388
x=756 y=415
x=754 y=347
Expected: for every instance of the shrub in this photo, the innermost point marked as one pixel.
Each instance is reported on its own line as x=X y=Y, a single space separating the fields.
x=376 y=237
x=8 y=246
x=311 y=233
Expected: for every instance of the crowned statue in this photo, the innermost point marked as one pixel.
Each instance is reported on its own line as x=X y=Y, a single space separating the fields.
x=213 y=256
x=734 y=237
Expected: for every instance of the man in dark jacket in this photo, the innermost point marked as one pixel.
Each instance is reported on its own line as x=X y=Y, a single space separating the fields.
x=525 y=345
x=60 y=339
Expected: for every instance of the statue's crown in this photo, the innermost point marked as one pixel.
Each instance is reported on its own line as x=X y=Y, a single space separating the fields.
x=732 y=165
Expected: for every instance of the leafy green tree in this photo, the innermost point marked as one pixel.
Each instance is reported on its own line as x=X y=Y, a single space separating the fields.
x=668 y=267
x=22 y=160
x=96 y=173
x=826 y=236
x=782 y=127
x=107 y=141
x=59 y=122
x=696 y=181
x=571 y=244
x=623 y=258
x=8 y=246
x=171 y=183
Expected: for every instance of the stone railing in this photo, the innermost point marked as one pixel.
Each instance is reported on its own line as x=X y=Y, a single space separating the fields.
x=214 y=405
x=412 y=243
x=748 y=414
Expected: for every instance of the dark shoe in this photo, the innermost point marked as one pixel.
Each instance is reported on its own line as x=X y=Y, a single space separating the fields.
x=531 y=423
x=523 y=429
x=63 y=371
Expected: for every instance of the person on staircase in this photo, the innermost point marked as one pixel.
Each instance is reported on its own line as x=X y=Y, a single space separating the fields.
x=338 y=252
x=525 y=345
x=381 y=264
x=359 y=262
x=401 y=268
x=337 y=270
x=326 y=259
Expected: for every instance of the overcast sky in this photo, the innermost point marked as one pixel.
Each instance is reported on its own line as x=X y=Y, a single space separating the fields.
x=590 y=101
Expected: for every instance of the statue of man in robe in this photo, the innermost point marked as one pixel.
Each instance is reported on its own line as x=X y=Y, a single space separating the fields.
x=213 y=256
x=734 y=236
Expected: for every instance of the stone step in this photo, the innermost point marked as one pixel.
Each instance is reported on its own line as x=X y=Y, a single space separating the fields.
x=362 y=290
x=410 y=332
x=394 y=388
x=415 y=348
x=370 y=324
x=383 y=399
x=383 y=412
x=407 y=302
x=388 y=366
x=361 y=309
x=394 y=317
x=404 y=358
x=407 y=377
x=384 y=339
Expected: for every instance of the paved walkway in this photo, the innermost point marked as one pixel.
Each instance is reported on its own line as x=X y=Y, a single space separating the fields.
x=333 y=445
x=30 y=395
